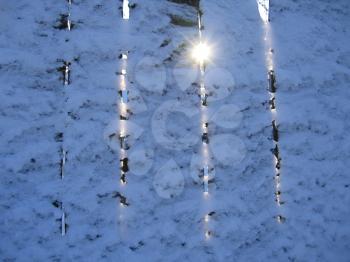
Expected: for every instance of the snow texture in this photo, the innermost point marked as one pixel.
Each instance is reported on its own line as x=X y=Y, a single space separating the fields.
x=167 y=215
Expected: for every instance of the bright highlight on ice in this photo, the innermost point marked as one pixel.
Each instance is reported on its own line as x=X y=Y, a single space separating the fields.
x=201 y=52
x=264 y=9
x=207 y=234
x=126 y=9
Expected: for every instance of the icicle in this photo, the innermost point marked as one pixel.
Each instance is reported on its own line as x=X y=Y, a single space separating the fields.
x=69 y=23
x=208 y=234
x=205 y=138
x=63 y=162
x=123 y=96
x=281 y=219
x=274 y=131
x=203 y=95
x=205 y=126
x=276 y=152
x=66 y=73
x=278 y=164
x=272 y=104
x=124 y=55
x=199 y=26
x=209 y=215
x=64 y=157
x=126 y=9
x=122 y=199
x=264 y=9
x=205 y=135
x=124 y=142
x=123 y=178
x=204 y=98
x=272 y=81
x=125 y=114
x=63 y=223
x=123 y=117
x=206 y=179
x=124 y=165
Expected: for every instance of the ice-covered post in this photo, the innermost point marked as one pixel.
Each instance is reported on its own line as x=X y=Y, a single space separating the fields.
x=126 y=11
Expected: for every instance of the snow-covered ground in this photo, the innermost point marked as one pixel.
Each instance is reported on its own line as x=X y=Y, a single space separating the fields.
x=166 y=216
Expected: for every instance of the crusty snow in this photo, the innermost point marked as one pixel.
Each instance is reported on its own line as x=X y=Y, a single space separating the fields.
x=306 y=42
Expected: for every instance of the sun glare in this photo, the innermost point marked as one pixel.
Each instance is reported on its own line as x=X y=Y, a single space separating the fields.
x=201 y=52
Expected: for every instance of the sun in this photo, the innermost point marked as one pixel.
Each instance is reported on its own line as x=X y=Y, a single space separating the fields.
x=201 y=52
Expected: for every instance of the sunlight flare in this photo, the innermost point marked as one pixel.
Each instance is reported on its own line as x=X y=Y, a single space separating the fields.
x=201 y=52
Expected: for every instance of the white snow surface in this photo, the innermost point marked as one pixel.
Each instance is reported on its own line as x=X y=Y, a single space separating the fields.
x=165 y=217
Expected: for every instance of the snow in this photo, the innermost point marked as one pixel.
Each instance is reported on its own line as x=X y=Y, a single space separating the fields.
x=167 y=218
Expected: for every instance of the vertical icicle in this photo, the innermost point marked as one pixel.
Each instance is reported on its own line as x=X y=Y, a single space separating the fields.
x=66 y=73
x=124 y=115
x=264 y=9
x=63 y=162
x=200 y=26
x=63 y=223
x=126 y=10
x=69 y=23
x=206 y=179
